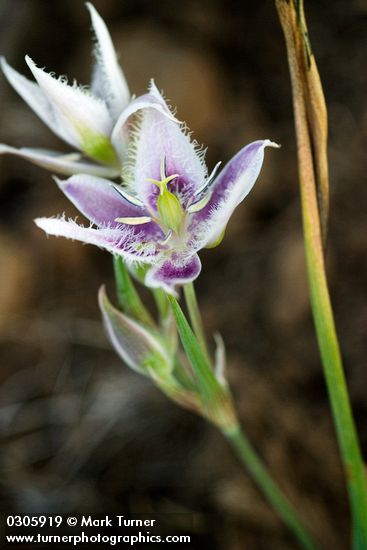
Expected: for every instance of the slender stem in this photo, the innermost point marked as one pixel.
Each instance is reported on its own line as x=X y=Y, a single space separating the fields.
x=338 y=393
x=217 y=406
x=248 y=456
x=320 y=300
x=195 y=316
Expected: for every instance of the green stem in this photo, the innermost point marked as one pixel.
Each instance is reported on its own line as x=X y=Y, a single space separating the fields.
x=248 y=456
x=336 y=384
x=218 y=408
x=195 y=316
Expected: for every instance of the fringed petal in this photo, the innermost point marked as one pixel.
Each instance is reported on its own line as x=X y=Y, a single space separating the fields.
x=151 y=100
x=230 y=187
x=60 y=163
x=176 y=270
x=108 y=79
x=84 y=118
x=121 y=241
x=32 y=94
x=160 y=136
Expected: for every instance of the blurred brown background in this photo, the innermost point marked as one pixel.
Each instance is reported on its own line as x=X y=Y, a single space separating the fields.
x=80 y=432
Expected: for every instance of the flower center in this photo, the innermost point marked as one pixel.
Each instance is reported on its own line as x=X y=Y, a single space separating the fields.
x=169 y=208
x=171 y=214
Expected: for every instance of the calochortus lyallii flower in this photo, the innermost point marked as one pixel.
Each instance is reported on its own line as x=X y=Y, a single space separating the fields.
x=168 y=207
x=88 y=120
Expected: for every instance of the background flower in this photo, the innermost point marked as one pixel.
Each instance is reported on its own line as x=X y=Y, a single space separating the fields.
x=84 y=119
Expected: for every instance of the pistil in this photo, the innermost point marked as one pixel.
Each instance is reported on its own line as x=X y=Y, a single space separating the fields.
x=169 y=208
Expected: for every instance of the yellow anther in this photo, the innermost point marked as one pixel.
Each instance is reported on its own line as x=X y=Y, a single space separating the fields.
x=162 y=184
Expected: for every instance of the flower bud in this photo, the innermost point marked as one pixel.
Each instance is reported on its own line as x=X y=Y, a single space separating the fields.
x=140 y=347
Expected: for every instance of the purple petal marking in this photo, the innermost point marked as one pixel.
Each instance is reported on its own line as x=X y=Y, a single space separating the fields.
x=159 y=136
x=101 y=204
x=133 y=343
x=150 y=100
x=177 y=270
x=124 y=242
x=61 y=163
x=230 y=187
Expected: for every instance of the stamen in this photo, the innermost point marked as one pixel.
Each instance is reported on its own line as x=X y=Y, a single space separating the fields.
x=129 y=198
x=167 y=237
x=163 y=168
x=134 y=221
x=209 y=181
x=199 y=205
x=71 y=156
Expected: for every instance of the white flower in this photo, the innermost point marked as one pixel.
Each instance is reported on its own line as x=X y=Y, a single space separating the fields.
x=88 y=120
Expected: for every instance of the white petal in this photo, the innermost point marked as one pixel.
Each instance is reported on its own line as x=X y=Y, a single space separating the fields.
x=35 y=98
x=108 y=74
x=78 y=111
x=60 y=163
x=160 y=136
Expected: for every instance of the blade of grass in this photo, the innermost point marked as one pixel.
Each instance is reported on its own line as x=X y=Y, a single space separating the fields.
x=320 y=300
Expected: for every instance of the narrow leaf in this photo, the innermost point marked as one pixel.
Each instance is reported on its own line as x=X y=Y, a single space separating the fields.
x=128 y=298
x=207 y=382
